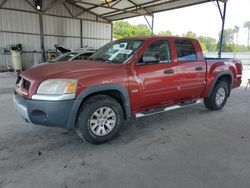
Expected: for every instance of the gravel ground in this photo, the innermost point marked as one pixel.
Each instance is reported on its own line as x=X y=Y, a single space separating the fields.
x=191 y=148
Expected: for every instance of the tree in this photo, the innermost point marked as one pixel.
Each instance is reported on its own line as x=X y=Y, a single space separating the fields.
x=228 y=41
x=229 y=36
x=204 y=47
x=141 y=30
x=123 y=29
x=190 y=34
x=236 y=31
x=120 y=29
x=247 y=25
x=209 y=42
x=165 y=33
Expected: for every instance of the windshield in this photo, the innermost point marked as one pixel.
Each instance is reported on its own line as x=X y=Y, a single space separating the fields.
x=117 y=51
x=65 y=57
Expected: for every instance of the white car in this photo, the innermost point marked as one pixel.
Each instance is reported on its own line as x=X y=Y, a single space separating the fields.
x=70 y=56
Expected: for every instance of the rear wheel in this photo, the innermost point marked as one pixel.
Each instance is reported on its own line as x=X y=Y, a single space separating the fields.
x=99 y=119
x=218 y=97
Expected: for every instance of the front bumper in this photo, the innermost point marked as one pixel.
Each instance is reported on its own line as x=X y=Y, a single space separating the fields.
x=21 y=107
x=48 y=113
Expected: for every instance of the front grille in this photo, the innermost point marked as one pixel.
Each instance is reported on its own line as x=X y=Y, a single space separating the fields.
x=26 y=84
x=23 y=83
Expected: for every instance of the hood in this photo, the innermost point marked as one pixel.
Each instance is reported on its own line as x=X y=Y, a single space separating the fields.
x=71 y=70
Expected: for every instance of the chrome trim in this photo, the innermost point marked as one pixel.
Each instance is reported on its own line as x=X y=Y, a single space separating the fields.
x=135 y=91
x=46 y=97
x=174 y=107
x=239 y=75
x=21 y=92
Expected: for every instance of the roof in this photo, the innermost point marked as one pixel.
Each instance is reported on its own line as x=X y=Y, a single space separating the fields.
x=156 y=37
x=112 y=10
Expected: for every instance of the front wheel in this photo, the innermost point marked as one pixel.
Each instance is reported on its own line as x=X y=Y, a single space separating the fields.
x=218 y=97
x=99 y=119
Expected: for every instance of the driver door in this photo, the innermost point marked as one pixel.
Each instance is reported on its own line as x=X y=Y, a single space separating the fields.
x=155 y=75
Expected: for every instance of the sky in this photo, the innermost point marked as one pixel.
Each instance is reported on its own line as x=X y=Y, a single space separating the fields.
x=202 y=19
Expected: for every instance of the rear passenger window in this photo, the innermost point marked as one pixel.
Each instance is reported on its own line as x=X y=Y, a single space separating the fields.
x=185 y=50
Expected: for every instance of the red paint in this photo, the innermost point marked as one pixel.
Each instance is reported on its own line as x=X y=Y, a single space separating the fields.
x=147 y=85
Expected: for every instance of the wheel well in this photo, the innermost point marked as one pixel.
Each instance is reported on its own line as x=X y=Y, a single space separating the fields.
x=227 y=79
x=112 y=93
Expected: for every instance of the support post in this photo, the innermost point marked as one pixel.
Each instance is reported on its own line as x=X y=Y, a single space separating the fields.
x=3 y=3
x=81 y=33
x=42 y=35
x=248 y=36
x=112 y=27
x=152 y=26
x=223 y=26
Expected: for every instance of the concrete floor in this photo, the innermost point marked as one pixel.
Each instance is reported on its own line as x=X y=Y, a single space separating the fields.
x=191 y=148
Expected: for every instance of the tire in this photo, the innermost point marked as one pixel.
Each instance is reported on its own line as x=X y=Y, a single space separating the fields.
x=99 y=119
x=218 y=97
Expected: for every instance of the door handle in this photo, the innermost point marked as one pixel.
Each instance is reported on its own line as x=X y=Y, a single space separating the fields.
x=169 y=71
x=198 y=68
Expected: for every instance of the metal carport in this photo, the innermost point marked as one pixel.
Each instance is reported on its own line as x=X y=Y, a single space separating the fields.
x=112 y=10
x=38 y=24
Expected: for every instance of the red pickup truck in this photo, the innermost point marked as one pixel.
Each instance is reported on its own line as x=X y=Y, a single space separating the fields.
x=130 y=77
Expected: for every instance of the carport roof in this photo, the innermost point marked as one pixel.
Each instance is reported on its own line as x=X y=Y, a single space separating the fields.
x=112 y=10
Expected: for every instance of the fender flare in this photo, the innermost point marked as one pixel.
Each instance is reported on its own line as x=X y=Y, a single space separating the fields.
x=217 y=77
x=98 y=88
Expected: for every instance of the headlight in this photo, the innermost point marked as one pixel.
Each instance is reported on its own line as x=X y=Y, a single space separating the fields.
x=57 y=87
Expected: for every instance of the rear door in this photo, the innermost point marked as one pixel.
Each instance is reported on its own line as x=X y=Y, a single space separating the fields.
x=191 y=70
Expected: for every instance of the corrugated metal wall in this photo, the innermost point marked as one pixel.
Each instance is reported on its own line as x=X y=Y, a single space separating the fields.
x=95 y=34
x=64 y=31
x=19 y=23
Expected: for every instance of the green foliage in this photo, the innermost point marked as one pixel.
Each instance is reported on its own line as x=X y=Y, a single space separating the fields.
x=204 y=47
x=190 y=34
x=209 y=42
x=122 y=29
x=229 y=44
x=242 y=48
x=142 y=30
x=165 y=33
x=228 y=47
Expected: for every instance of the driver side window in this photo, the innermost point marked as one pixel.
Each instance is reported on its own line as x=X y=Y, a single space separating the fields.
x=158 y=52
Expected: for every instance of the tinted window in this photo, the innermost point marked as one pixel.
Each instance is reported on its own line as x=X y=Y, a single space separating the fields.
x=157 y=52
x=185 y=50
